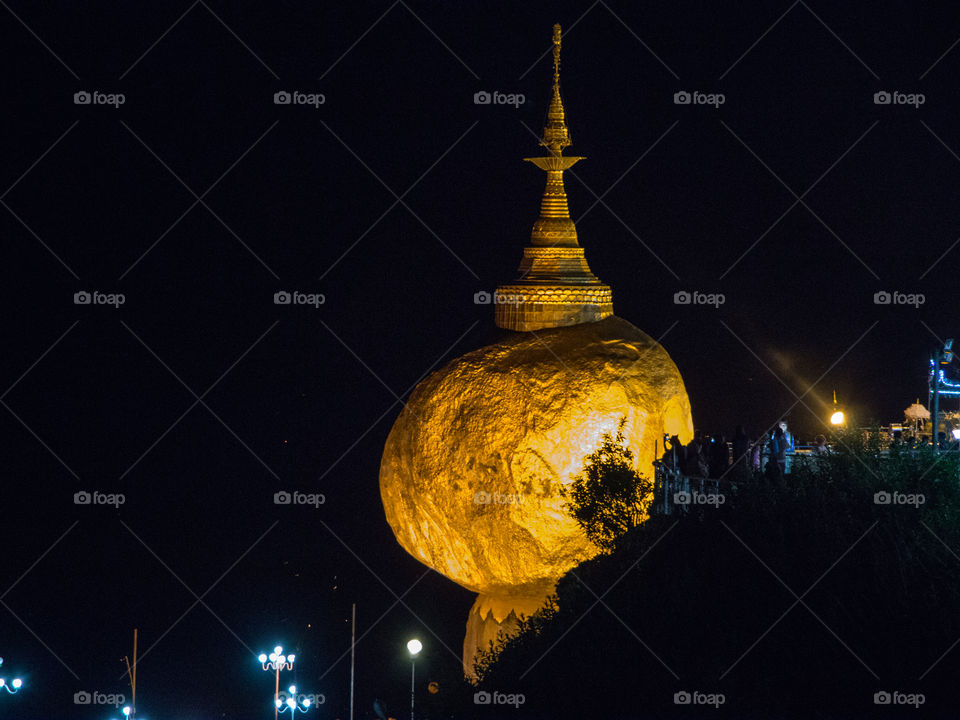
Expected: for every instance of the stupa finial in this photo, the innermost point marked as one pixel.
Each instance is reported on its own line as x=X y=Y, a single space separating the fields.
x=555 y=134
x=556 y=287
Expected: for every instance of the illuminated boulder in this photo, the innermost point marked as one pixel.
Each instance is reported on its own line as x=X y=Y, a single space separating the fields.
x=473 y=470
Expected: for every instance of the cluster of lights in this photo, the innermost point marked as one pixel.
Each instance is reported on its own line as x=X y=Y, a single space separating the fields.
x=291 y=703
x=13 y=685
x=278 y=661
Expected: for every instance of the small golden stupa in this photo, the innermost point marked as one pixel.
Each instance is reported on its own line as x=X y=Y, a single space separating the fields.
x=473 y=470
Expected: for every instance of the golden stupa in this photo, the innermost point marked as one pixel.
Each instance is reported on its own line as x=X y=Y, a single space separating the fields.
x=473 y=469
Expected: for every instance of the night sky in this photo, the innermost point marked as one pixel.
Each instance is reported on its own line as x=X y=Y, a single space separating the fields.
x=398 y=199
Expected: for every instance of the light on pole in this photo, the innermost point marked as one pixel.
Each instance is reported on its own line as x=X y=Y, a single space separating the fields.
x=291 y=703
x=12 y=686
x=414 y=647
x=276 y=661
x=128 y=712
x=837 y=418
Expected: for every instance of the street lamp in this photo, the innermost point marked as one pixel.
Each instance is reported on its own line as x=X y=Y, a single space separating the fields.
x=291 y=703
x=837 y=419
x=13 y=685
x=276 y=661
x=127 y=712
x=414 y=647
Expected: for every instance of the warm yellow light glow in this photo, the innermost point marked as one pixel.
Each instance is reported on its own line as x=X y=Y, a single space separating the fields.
x=837 y=418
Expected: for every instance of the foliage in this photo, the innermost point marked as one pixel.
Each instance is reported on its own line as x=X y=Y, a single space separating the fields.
x=799 y=598
x=608 y=498
x=528 y=628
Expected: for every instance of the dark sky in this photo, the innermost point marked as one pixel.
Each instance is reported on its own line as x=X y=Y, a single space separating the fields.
x=200 y=398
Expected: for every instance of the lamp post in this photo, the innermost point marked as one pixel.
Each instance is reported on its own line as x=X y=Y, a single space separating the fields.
x=13 y=686
x=414 y=647
x=276 y=661
x=291 y=703
x=942 y=356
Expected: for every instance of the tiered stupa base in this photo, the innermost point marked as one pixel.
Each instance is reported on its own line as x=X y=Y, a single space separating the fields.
x=537 y=307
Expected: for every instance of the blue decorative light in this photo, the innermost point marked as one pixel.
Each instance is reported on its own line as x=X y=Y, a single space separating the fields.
x=11 y=687
x=946 y=387
x=291 y=703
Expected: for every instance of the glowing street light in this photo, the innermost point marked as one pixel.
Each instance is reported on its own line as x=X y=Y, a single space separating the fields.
x=13 y=685
x=277 y=661
x=127 y=712
x=291 y=703
x=414 y=647
x=837 y=419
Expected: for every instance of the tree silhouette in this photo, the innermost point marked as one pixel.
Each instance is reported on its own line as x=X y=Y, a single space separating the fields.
x=609 y=497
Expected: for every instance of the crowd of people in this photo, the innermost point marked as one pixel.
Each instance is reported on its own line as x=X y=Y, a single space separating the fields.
x=712 y=456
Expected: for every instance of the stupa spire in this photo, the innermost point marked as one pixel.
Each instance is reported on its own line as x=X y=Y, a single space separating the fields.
x=556 y=287
x=555 y=228
x=556 y=136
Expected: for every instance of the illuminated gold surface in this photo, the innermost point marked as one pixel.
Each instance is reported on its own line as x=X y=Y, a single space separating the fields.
x=554 y=260
x=515 y=420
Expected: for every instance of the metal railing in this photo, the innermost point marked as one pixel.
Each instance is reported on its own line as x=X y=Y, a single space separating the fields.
x=674 y=491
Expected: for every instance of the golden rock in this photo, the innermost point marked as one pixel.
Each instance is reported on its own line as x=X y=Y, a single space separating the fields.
x=473 y=469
